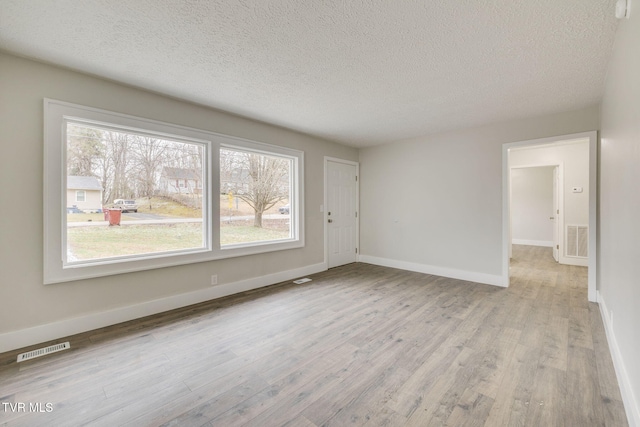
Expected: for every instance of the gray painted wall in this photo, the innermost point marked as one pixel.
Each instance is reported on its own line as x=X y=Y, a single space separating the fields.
x=437 y=200
x=619 y=250
x=532 y=205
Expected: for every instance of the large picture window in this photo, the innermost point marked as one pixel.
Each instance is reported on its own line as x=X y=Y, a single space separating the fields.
x=136 y=210
x=125 y=194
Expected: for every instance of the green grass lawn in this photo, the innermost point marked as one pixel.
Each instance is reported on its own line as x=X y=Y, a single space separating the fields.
x=234 y=234
x=167 y=208
x=97 y=242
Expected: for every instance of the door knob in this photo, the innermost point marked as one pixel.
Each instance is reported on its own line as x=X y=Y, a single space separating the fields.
x=330 y=220
x=552 y=217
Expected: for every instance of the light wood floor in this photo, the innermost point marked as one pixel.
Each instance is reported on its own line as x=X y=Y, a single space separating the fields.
x=360 y=345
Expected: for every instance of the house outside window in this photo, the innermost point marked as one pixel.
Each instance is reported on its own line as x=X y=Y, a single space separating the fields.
x=80 y=196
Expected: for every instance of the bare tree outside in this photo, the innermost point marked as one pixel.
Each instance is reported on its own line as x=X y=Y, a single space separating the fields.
x=84 y=150
x=117 y=149
x=130 y=165
x=260 y=180
x=151 y=154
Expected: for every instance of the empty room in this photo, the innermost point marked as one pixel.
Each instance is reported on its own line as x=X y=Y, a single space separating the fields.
x=327 y=213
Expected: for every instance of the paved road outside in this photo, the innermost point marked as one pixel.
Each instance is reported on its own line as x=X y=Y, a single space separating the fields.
x=157 y=219
x=140 y=215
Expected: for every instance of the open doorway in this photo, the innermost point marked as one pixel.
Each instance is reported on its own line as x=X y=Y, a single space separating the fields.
x=560 y=223
x=535 y=201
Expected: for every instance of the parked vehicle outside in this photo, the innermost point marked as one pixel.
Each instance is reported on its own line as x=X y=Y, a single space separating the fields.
x=284 y=210
x=125 y=205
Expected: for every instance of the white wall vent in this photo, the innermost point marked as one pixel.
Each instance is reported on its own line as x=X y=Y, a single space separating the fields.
x=43 y=351
x=577 y=241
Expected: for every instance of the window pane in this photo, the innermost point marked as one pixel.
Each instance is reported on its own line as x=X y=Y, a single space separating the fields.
x=130 y=205
x=255 y=197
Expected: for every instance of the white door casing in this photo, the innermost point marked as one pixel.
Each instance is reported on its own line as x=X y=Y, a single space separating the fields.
x=341 y=222
x=555 y=216
x=592 y=137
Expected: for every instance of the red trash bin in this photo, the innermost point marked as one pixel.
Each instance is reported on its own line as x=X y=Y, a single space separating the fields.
x=114 y=216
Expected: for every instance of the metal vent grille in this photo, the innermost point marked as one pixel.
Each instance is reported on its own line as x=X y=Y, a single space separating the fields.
x=301 y=281
x=583 y=242
x=43 y=351
x=577 y=242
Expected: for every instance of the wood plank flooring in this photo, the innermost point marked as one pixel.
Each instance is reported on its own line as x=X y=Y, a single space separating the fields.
x=360 y=345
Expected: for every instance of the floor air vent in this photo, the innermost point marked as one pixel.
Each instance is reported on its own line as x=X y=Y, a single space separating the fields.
x=578 y=241
x=43 y=351
x=301 y=281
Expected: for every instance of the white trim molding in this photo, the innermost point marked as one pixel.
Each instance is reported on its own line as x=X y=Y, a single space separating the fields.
x=63 y=328
x=631 y=405
x=452 y=273
x=544 y=243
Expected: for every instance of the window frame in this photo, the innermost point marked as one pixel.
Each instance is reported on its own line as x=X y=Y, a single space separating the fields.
x=56 y=114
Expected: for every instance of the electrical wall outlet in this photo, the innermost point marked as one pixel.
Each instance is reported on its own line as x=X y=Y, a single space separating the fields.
x=214 y=279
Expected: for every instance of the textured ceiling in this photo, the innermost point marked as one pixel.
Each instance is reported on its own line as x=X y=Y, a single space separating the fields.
x=361 y=72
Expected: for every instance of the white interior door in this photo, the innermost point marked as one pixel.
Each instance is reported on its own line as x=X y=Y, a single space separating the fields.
x=341 y=214
x=556 y=214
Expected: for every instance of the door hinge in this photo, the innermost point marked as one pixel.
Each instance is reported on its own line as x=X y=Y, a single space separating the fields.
x=557 y=246
x=356 y=250
x=558 y=211
x=356 y=177
x=356 y=214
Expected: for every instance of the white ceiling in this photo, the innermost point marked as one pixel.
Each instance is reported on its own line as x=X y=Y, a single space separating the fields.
x=361 y=72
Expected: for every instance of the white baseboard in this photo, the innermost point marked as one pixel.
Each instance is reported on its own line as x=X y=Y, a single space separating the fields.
x=487 y=279
x=631 y=406
x=37 y=334
x=580 y=262
x=546 y=244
